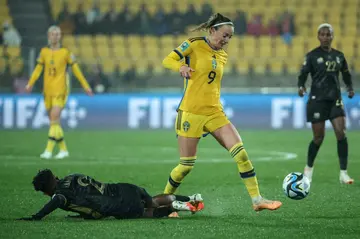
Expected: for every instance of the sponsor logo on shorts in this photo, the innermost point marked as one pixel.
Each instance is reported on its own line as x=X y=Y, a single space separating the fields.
x=316 y=115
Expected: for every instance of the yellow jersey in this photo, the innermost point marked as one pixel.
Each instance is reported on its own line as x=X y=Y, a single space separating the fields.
x=202 y=90
x=55 y=62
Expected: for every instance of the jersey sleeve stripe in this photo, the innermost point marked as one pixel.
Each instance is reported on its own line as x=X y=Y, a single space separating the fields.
x=179 y=53
x=187 y=60
x=60 y=195
x=178 y=125
x=196 y=39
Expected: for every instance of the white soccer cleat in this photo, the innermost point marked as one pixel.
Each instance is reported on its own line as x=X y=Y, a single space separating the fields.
x=308 y=172
x=196 y=198
x=183 y=206
x=62 y=154
x=46 y=155
x=345 y=178
x=265 y=204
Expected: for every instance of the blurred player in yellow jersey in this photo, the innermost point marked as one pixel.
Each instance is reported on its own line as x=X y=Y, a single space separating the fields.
x=201 y=60
x=54 y=59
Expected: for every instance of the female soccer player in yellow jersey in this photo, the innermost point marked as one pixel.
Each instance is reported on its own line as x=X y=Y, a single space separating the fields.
x=200 y=110
x=55 y=59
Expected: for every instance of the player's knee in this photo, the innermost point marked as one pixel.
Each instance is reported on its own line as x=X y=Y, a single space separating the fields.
x=340 y=134
x=318 y=139
x=55 y=113
x=54 y=116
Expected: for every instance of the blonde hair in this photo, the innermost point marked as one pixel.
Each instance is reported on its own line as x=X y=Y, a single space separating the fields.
x=215 y=20
x=325 y=25
x=51 y=29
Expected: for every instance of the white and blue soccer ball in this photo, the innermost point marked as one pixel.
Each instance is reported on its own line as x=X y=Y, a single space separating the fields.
x=296 y=186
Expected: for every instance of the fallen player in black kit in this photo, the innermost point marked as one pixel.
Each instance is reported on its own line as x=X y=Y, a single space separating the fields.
x=95 y=200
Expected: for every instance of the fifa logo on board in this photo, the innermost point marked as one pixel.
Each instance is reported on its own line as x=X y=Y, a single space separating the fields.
x=72 y=113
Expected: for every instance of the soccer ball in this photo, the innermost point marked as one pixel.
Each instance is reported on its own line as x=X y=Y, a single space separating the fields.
x=296 y=186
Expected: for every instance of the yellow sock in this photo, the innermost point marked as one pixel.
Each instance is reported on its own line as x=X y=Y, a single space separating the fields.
x=246 y=170
x=60 y=138
x=51 y=137
x=178 y=174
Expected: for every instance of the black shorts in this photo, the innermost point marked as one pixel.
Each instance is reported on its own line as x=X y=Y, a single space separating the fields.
x=319 y=111
x=126 y=201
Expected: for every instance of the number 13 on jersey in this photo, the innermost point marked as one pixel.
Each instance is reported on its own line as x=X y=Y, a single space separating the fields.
x=52 y=71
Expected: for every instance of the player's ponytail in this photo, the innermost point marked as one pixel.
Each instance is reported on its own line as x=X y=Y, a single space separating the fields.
x=215 y=20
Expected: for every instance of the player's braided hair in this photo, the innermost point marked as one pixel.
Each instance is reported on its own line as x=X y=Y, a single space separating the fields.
x=215 y=19
x=43 y=180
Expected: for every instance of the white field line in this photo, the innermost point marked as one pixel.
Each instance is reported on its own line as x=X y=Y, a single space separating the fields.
x=11 y=159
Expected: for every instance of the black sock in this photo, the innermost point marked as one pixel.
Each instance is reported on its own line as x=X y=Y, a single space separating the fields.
x=162 y=212
x=182 y=198
x=342 y=147
x=312 y=152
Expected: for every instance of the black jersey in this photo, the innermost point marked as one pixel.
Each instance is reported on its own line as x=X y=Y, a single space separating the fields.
x=324 y=68
x=93 y=200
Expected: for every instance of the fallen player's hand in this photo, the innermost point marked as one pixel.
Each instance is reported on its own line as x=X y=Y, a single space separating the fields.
x=302 y=91
x=28 y=219
x=28 y=88
x=89 y=92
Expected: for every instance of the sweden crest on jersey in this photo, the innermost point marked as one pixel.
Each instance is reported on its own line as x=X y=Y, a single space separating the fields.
x=214 y=63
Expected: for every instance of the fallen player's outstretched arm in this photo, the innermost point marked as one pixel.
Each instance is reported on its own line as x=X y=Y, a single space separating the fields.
x=57 y=201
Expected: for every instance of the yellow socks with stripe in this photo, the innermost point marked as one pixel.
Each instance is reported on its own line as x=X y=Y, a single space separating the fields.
x=179 y=173
x=60 y=138
x=56 y=135
x=52 y=136
x=246 y=170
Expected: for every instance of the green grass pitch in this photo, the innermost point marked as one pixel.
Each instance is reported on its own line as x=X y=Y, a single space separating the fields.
x=145 y=158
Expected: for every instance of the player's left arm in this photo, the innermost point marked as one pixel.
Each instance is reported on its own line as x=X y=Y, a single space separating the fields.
x=57 y=201
x=78 y=74
x=347 y=78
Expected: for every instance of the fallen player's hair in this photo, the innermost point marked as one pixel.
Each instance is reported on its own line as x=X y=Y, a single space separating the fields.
x=43 y=180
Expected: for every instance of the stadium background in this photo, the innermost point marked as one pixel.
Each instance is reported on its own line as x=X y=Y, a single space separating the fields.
x=120 y=46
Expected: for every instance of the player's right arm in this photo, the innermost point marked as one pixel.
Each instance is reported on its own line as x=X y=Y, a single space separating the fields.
x=57 y=201
x=37 y=72
x=173 y=60
x=304 y=72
